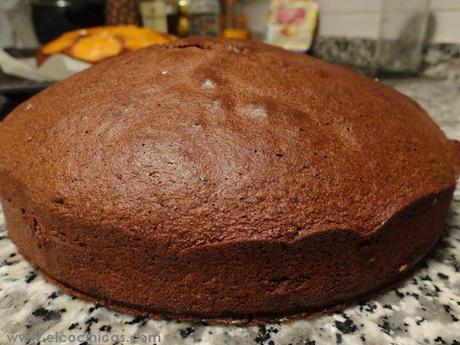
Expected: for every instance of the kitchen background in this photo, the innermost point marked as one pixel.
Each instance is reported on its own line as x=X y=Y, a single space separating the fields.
x=337 y=18
x=412 y=45
x=377 y=37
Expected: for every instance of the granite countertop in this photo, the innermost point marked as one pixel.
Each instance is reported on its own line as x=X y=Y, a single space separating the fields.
x=422 y=309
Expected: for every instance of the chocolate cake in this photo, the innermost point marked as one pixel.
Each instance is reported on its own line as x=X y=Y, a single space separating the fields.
x=223 y=180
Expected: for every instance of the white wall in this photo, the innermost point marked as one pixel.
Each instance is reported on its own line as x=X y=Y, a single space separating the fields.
x=360 y=18
x=16 y=14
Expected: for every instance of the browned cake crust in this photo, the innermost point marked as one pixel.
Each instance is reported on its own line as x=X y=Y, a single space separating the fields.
x=223 y=180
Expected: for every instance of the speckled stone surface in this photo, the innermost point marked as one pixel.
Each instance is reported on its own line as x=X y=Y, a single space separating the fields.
x=422 y=309
x=437 y=58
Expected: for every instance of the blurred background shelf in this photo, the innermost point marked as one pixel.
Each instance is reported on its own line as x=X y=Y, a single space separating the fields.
x=346 y=32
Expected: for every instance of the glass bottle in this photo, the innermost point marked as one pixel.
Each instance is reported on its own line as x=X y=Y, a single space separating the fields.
x=403 y=27
x=153 y=14
x=204 y=17
x=235 y=22
x=183 y=23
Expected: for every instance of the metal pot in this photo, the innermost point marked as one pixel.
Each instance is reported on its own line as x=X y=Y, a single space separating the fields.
x=51 y=18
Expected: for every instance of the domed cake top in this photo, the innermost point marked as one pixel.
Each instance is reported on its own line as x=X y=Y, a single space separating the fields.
x=210 y=140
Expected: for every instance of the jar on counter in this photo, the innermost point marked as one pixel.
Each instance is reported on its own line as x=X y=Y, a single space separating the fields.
x=402 y=32
x=204 y=17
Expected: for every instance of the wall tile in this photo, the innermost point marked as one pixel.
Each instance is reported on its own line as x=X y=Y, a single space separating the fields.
x=349 y=6
x=446 y=26
x=360 y=18
x=349 y=25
